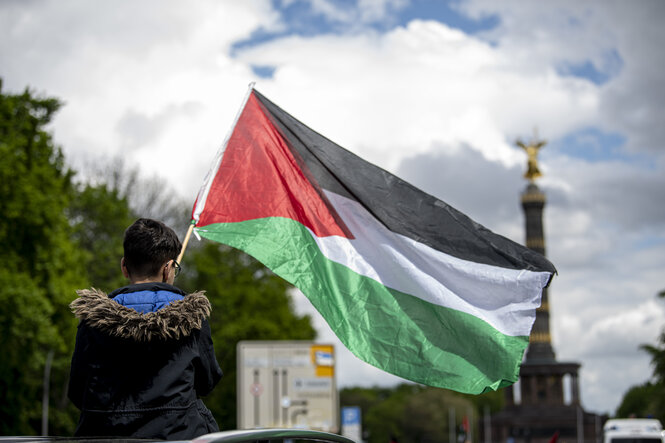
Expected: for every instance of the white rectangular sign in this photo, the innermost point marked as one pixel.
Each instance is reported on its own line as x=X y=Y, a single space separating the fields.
x=287 y=384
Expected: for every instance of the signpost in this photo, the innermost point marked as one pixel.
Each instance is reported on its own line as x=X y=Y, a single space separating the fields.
x=288 y=384
x=351 y=423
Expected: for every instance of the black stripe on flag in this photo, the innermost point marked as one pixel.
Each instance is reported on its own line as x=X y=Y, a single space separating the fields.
x=398 y=205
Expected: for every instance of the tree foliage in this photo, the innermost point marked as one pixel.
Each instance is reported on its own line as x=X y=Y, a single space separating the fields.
x=657 y=353
x=100 y=216
x=639 y=401
x=648 y=399
x=151 y=197
x=412 y=413
x=108 y=199
x=249 y=303
x=41 y=264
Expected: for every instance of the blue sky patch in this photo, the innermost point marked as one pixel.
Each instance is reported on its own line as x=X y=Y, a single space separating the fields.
x=263 y=71
x=301 y=19
x=612 y=64
x=446 y=12
x=593 y=145
x=649 y=242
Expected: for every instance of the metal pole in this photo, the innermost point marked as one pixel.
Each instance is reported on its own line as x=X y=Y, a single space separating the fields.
x=580 y=424
x=275 y=394
x=45 y=393
x=257 y=420
x=285 y=400
x=472 y=422
x=451 y=425
x=488 y=425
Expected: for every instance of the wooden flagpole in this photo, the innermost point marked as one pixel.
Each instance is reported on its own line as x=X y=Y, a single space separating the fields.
x=203 y=195
x=186 y=240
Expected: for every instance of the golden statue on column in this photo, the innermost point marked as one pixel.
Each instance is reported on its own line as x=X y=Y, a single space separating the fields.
x=532 y=171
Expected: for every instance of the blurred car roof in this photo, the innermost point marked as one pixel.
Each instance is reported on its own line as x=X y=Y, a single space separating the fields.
x=237 y=436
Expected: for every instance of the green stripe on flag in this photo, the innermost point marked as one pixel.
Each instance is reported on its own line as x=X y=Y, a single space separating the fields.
x=394 y=331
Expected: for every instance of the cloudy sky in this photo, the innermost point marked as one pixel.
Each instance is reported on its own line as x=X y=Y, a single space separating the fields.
x=435 y=91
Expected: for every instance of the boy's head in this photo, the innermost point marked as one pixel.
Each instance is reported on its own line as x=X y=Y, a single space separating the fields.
x=149 y=245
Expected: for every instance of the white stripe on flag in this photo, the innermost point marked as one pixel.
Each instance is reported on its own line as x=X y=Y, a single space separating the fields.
x=504 y=298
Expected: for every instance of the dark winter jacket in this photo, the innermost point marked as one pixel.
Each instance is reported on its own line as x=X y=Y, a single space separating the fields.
x=143 y=356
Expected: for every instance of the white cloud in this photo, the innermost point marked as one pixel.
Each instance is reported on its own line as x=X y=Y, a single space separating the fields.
x=364 y=12
x=400 y=92
x=620 y=40
x=378 y=10
x=608 y=350
x=121 y=65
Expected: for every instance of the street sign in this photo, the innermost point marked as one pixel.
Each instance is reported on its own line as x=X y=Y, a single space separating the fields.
x=351 y=423
x=287 y=384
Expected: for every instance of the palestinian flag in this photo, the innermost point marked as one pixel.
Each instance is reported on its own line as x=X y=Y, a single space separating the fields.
x=408 y=283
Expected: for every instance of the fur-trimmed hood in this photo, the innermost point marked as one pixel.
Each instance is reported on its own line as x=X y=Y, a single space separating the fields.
x=172 y=322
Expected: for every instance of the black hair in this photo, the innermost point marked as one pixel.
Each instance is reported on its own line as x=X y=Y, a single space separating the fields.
x=148 y=244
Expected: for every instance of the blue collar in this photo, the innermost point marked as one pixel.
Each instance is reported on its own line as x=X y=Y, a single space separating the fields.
x=149 y=286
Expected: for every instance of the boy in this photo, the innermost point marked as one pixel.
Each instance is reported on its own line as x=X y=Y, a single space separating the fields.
x=144 y=353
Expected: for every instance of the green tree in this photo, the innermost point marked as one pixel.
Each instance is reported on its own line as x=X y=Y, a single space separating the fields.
x=366 y=399
x=409 y=413
x=149 y=197
x=100 y=216
x=110 y=196
x=248 y=303
x=431 y=422
x=386 y=419
x=41 y=265
x=657 y=353
x=648 y=399
x=639 y=401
